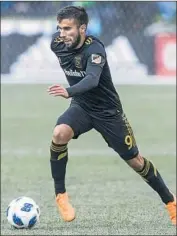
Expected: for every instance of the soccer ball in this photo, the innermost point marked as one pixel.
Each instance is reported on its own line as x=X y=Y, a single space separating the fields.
x=23 y=213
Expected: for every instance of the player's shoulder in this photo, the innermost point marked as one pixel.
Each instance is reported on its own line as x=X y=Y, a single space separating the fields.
x=94 y=45
x=57 y=41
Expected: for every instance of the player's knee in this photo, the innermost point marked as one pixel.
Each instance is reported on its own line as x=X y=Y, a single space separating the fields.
x=137 y=163
x=62 y=134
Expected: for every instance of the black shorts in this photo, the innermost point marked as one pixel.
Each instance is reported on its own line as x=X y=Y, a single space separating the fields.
x=115 y=130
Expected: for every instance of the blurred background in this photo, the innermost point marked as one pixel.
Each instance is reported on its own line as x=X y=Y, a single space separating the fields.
x=140 y=39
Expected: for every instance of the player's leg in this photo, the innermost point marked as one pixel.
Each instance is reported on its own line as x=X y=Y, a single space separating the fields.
x=119 y=135
x=58 y=161
x=146 y=169
x=72 y=123
x=62 y=134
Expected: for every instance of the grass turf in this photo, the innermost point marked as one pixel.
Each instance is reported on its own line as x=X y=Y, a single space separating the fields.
x=110 y=199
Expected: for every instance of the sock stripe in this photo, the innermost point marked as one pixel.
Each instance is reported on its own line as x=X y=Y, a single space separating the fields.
x=145 y=169
x=58 y=150
x=155 y=170
x=55 y=148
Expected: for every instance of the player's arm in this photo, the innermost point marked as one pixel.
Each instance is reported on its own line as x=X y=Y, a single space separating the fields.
x=94 y=69
x=90 y=81
x=96 y=58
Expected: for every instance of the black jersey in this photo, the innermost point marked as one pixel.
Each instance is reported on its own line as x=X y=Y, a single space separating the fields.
x=88 y=74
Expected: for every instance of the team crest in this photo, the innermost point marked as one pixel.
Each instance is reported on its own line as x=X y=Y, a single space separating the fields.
x=96 y=58
x=78 y=61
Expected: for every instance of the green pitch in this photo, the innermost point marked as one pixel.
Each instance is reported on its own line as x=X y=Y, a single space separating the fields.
x=110 y=199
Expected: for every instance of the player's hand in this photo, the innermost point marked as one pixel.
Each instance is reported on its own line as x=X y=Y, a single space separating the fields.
x=58 y=90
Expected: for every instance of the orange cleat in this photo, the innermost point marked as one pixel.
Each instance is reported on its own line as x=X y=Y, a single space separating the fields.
x=65 y=208
x=171 y=207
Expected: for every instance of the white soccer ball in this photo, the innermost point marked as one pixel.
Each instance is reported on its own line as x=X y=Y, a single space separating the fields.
x=23 y=213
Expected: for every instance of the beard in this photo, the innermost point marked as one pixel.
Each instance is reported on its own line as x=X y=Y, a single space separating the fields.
x=75 y=43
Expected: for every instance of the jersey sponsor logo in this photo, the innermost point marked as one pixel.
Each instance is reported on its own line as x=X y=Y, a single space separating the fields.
x=78 y=61
x=96 y=58
x=75 y=73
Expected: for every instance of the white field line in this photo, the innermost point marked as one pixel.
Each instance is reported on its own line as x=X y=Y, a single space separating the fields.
x=85 y=152
x=51 y=76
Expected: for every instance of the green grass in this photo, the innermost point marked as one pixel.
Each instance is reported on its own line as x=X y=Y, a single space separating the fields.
x=110 y=199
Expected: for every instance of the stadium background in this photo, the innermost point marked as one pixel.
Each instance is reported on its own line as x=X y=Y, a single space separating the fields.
x=140 y=39
x=110 y=199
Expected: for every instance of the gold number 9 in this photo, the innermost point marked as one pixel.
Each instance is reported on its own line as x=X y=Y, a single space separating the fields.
x=128 y=141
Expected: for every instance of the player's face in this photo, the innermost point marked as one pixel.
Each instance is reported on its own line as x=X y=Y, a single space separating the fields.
x=70 y=32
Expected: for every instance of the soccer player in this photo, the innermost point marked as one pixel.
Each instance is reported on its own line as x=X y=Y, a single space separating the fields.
x=95 y=104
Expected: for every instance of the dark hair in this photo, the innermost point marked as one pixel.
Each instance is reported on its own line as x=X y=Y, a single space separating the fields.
x=72 y=12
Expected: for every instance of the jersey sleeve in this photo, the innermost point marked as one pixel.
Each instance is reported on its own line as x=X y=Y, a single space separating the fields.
x=96 y=58
x=96 y=48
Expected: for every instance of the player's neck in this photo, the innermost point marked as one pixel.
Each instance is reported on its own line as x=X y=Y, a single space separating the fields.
x=81 y=42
